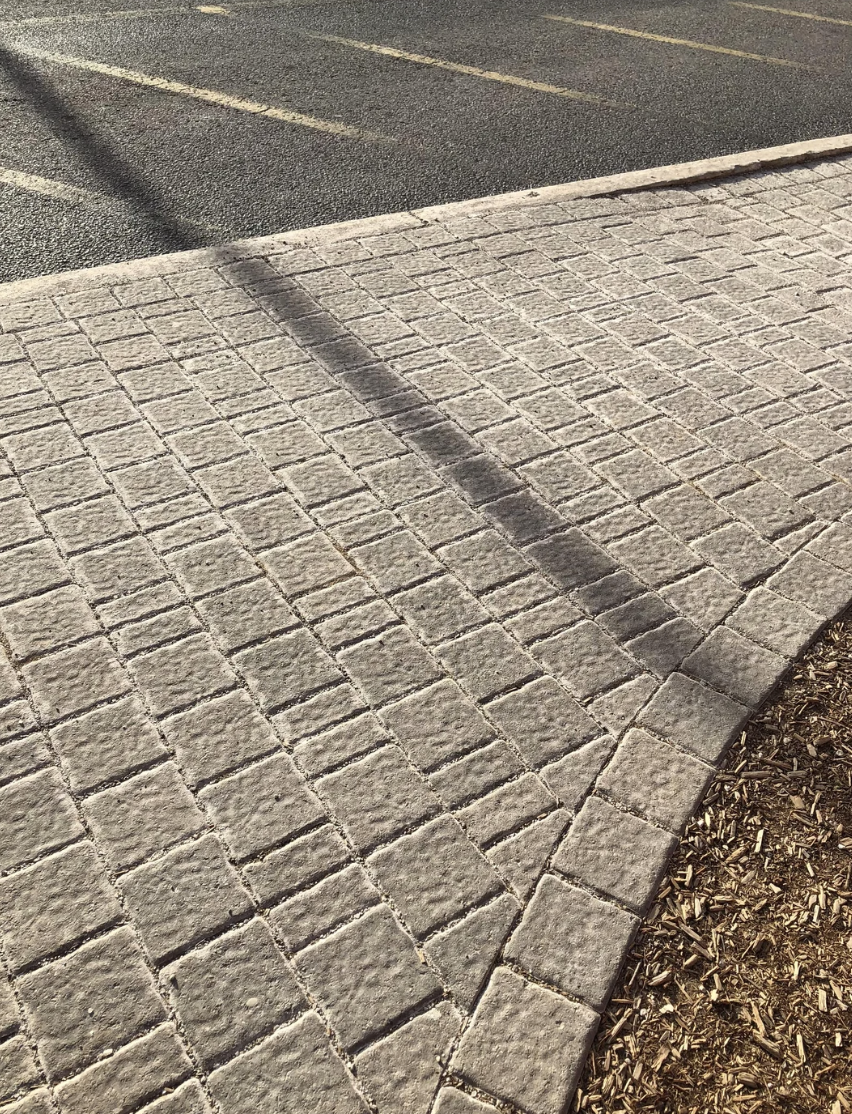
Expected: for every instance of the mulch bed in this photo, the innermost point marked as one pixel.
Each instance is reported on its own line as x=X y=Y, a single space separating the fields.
x=737 y=996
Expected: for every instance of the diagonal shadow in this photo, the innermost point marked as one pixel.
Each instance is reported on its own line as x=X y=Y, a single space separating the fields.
x=94 y=152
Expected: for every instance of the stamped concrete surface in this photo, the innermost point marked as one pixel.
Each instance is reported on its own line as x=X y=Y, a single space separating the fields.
x=375 y=606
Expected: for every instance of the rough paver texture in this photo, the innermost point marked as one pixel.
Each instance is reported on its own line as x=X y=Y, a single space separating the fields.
x=374 y=606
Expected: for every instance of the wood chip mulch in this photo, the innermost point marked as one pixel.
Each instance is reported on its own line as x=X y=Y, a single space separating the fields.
x=737 y=996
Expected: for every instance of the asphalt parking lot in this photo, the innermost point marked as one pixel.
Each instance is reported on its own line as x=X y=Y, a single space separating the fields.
x=131 y=130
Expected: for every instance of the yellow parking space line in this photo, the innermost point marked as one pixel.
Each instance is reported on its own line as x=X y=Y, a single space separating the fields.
x=211 y=96
x=50 y=187
x=792 y=11
x=470 y=71
x=211 y=9
x=686 y=42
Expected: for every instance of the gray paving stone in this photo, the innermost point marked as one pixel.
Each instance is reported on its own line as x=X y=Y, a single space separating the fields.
x=377 y=797
x=807 y=580
x=526 y=1045
x=433 y=875
x=388 y=667
x=232 y=991
x=218 y=736
x=693 y=716
x=286 y=668
x=36 y=816
x=542 y=720
x=107 y=744
x=261 y=806
x=294 y=1070
x=486 y=662
x=100 y=996
x=18 y=1070
x=652 y=778
x=49 y=906
x=138 y=1071
x=315 y=911
x=615 y=853
x=775 y=622
x=586 y=658
x=437 y=724
x=143 y=815
x=736 y=666
x=181 y=674
x=402 y=1071
x=464 y=954
x=190 y=893
x=571 y=940
x=361 y=997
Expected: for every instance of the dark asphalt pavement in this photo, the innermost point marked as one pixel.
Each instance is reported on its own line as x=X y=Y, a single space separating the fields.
x=162 y=170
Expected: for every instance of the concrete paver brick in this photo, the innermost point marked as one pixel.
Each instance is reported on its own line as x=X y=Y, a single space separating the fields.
x=188 y=1098
x=143 y=815
x=361 y=997
x=18 y=1069
x=571 y=940
x=136 y=1072
x=315 y=911
x=218 y=736
x=106 y=744
x=293 y=1070
x=402 y=1071
x=261 y=806
x=377 y=797
x=99 y=996
x=388 y=667
x=506 y=809
x=476 y=773
x=542 y=720
x=180 y=674
x=586 y=658
x=230 y=992
x=464 y=953
x=297 y=865
x=117 y=569
x=190 y=893
x=654 y=779
x=437 y=724
x=36 y=816
x=30 y=569
x=73 y=680
x=615 y=853
x=693 y=716
x=52 y=904
x=286 y=668
x=433 y=875
x=486 y=662
x=526 y=1044
x=735 y=665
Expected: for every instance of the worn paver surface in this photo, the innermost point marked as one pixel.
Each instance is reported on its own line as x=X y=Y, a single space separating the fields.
x=374 y=608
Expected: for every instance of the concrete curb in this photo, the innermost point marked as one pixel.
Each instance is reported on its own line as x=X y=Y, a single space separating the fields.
x=723 y=166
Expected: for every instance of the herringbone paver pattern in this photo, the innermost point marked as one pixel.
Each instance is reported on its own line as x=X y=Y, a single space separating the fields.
x=373 y=614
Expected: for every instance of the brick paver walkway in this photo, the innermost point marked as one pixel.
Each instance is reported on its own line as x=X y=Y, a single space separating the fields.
x=373 y=613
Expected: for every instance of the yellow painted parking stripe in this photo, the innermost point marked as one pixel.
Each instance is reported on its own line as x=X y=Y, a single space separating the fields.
x=49 y=187
x=685 y=42
x=792 y=11
x=211 y=96
x=470 y=71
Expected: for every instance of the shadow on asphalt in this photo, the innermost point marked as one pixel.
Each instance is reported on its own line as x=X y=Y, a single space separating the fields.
x=93 y=151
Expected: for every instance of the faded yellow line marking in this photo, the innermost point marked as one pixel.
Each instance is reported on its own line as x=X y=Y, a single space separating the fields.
x=210 y=96
x=470 y=71
x=792 y=11
x=49 y=187
x=211 y=9
x=686 y=42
